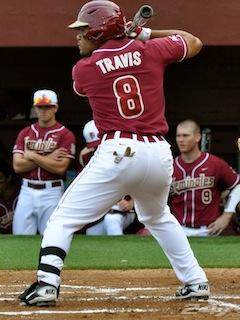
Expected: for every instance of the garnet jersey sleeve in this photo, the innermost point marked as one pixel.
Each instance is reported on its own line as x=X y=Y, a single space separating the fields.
x=68 y=142
x=76 y=86
x=229 y=178
x=20 y=144
x=168 y=49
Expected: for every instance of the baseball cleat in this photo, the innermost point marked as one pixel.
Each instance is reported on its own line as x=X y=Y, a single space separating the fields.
x=39 y=294
x=194 y=291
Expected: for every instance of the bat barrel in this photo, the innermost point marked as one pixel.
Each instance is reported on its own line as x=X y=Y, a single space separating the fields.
x=146 y=11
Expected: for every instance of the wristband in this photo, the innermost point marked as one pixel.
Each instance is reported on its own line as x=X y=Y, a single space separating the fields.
x=145 y=34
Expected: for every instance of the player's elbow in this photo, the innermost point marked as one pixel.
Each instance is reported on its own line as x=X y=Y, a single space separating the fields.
x=61 y=169
x=198 y=44
x=194 y=46
x=60 y=172
x=16 y=167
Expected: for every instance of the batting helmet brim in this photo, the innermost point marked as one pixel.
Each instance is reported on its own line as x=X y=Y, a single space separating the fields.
x=77 y=24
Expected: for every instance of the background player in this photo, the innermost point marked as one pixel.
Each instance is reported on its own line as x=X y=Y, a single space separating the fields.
x=41 y=155
x=123 y=79
x=234 y=202
x=122 y=214
x=90 y=134
x=9 y=190
x=199 y=178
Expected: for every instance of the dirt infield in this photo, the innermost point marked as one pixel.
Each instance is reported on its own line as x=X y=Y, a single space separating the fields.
x=119 y=295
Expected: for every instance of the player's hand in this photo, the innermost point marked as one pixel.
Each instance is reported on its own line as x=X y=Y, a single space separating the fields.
x=219 y=224
x=58 y=154
x=137 y=32
x=6 y=220
x=125 y=205
x=132 y=33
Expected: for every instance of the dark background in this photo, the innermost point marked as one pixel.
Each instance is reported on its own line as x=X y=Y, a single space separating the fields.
x=205 y=88
x=38 y=51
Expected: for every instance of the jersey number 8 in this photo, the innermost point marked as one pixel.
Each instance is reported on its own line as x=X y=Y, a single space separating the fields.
x=128 y=95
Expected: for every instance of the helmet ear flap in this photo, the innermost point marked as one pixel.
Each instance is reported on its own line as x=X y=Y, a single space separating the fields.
x=108 y=31
x=94 y=36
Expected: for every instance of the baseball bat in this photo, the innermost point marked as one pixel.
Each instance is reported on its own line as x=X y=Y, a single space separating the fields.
x=142 y=16
x=206 y=140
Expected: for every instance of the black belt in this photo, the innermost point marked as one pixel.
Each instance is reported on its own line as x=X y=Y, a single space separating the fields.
x=130 y=135
x=194 y=227
x=40 y=186
x=112 y=211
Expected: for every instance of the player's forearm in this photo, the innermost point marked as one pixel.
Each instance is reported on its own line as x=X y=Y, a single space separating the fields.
x=21 y=165
x=54 y=166
x=194 y=44
x=169 y=32
x=219 y=224
x=227 y=216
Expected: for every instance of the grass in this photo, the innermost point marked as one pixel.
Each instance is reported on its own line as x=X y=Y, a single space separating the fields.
x=119 y=252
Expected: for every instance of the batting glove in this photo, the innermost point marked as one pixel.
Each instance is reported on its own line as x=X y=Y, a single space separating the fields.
x=139 y=33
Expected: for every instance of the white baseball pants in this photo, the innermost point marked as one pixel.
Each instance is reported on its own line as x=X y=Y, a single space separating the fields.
x=145 y=174
x=112 y=224
x=34 y=207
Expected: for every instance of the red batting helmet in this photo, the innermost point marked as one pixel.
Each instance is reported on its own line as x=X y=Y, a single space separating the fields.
x=104 y=18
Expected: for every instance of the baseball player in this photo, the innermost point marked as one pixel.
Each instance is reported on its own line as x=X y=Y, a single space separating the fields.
x=90 y=134
x=9 y=190
x=234 y=201
x=121 y=73
x=122 y=214
x=199 y=178
x=42 y=154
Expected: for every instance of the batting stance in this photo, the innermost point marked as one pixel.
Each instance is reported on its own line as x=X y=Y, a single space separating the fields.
x=42 y=154
x=123 y=80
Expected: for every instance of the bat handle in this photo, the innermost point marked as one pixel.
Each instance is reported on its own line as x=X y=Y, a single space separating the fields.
x=206 y=140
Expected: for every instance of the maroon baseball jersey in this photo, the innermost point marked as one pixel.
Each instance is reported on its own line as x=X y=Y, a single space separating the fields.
x=137 y=99
x=196 y=189
x=7 y=207
x=44 y=141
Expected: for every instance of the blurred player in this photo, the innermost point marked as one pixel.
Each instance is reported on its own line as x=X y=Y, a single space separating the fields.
x=42 y=154
x=122 y=214
x=90 y=134
x=199 y=178
x=123 y=80
x=234 y=201
x=9 y=190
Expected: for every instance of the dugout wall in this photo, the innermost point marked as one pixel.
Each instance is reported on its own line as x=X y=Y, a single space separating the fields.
x=37 y=50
